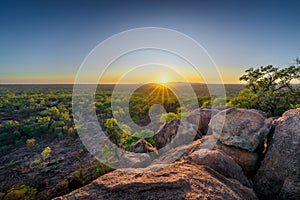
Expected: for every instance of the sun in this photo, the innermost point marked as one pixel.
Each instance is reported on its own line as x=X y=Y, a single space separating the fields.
x=163 y=80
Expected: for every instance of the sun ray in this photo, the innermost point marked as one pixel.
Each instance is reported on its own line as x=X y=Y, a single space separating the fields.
x=163 y=95
x=158 y=94
x=156 y=88
x=167 y=94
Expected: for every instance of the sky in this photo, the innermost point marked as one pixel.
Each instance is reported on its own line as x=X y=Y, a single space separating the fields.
x=47 y=41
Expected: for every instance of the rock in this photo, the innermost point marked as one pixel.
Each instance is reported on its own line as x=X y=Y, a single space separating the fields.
x=279 y=174
x=201 y=117
x=221 y=163
x=142 y=146
x=290 y=189
x=135 y=160
x=180 y=180
x=166 y=133
x=247 y=160
x=176 y=132
x=187 y=133
x=245 y=129
x=215 y=176
x=220 y=108
x=260 y=112
x=170 y=155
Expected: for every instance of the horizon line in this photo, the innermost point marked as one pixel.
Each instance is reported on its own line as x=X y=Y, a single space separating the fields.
x=112 y=83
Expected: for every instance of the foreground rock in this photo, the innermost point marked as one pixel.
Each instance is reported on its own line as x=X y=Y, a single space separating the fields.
x=244 y=129
x=248 y=161
x=279 y=174
x=180 y=180
x=221 y=163
x=215 y=176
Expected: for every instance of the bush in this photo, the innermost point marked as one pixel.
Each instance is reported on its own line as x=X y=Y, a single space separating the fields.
x=46 y=153
x=30 y=142
x=167 y=117
x=146 y=134
x=35 y=163
x=206 y=103
x=21 y=192
x=219 y=102
x=87 y=175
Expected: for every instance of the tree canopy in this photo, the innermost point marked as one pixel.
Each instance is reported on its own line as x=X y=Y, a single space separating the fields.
x=270 y=78
x=269 y=89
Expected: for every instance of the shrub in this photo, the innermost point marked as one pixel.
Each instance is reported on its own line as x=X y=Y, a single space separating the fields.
x=63 y=185
x=206 y=103
x=21 y=192
x=219 y=102
x=87 y=175
x=167 y=117
x=46 y=153
x=146 y=134
x=30 y=142
x=35 y=163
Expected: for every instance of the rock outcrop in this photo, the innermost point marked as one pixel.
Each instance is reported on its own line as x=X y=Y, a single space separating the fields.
x=220 y=165
x=176 y=181
x=244 y=129
x=216 y=176
x=279 y=175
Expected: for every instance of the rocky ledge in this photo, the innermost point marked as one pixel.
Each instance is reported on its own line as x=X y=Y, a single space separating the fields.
x=254 y=158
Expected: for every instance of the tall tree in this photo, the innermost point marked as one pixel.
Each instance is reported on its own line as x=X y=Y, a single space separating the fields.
x=269 y=89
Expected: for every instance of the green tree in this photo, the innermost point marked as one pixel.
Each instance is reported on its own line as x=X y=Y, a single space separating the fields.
x=116 y=134
x=269 y=89
x=219 y=101
x=270 y=78
x=167 y=117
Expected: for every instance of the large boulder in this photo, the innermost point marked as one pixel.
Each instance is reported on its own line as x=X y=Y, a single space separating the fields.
x=221 y=163
x=166 y=133
x=201 y=117
x=248 y=161
x=176 y=132
x=245 y=129
x=279 y=174
x=180 y=180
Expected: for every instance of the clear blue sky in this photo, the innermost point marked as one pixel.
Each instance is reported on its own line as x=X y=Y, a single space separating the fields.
x=46 y=41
